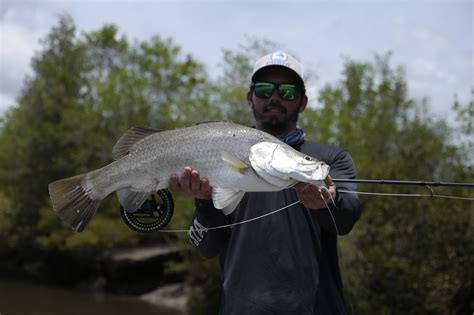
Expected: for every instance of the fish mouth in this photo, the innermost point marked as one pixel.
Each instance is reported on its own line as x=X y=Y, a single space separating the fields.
x=320 y=173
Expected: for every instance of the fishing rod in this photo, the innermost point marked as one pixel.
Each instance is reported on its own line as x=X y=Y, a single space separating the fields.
x=402 y=182
x=156 y=212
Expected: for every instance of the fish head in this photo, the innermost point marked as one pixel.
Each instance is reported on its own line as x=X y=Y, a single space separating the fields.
x=283 y=162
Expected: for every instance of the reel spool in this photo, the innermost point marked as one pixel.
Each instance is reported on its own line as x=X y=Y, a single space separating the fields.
x=153 y=215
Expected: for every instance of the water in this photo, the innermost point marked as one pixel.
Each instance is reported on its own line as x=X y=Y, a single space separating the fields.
x=17 y=298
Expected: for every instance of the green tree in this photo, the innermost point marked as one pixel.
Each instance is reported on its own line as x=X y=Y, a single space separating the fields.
x=85 y=91
x=465 y=120
x=405 y=255
x=31 y=135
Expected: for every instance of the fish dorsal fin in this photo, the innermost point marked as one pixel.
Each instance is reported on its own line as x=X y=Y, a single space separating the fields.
x=129 y=138
x=226 y=199
x=234 y=162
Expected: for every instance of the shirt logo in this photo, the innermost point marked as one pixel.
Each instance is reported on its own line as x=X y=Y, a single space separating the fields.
x=196 y=232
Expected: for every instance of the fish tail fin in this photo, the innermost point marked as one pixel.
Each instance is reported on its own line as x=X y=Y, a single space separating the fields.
x=73 y=201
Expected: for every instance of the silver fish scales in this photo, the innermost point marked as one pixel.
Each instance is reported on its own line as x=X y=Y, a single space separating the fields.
x=234 y=158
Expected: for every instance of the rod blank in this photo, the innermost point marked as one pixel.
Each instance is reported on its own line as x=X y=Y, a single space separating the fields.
x=402 y=182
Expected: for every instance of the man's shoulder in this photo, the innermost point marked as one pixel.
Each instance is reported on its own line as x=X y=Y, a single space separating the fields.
x=309 y=146
x=323 y=152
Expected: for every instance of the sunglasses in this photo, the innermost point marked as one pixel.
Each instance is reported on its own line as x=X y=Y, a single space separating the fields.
x=288 y=92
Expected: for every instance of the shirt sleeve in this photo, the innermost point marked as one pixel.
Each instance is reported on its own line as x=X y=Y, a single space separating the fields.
x=346 y=209
x=208 y=241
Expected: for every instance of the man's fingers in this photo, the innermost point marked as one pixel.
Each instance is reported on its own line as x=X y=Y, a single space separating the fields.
x=174 y=183
x=205 y=187
x=326 y=194
x=185 y=180
x=190 y=183
x=195 y=182
x=328 y=180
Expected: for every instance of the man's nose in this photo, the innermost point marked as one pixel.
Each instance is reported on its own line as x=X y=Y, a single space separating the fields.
x=275 y=95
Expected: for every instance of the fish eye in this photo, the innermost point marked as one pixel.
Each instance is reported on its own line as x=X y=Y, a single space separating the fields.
x=308 y=158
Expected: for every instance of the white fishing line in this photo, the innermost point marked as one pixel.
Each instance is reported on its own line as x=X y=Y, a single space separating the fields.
x=232 y=224
x=334 y=221
x=329 y=209
x=404 y=195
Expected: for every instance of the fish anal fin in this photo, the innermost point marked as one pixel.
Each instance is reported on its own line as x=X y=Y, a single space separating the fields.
x=226 y=199
x=129 y=138
x=234 y=162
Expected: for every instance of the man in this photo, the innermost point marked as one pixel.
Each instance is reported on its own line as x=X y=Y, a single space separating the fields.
x=285 y=263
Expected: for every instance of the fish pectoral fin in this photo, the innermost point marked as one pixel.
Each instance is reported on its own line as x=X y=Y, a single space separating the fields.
x=234 y=162
x=131 y=200
x=226 y=199
x=129 y=138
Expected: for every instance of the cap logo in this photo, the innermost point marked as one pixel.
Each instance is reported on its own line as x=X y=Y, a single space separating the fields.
x=279 y=58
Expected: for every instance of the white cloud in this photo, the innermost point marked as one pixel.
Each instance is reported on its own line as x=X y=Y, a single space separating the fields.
x=433 y=40
x=21 y=26
x=5 y=99
x=16 y=52
x=435 y=47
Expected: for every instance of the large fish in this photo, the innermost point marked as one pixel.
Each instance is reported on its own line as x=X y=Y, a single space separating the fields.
x=234 y=158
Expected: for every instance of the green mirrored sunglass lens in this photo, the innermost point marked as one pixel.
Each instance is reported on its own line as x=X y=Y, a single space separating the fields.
x=264 y=90
x=288 y=92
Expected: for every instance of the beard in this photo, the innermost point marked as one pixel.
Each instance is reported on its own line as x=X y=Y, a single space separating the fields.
x=276 y=123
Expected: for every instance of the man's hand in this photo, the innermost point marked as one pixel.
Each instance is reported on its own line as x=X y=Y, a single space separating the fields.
x=313 y=198
x=191 y=184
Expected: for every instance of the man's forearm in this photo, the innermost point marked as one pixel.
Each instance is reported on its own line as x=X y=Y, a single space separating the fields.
x=209 y=242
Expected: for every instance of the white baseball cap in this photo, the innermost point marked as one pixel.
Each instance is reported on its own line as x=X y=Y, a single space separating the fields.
x=279 y=58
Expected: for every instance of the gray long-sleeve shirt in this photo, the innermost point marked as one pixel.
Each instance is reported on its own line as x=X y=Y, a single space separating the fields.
x=285 y=263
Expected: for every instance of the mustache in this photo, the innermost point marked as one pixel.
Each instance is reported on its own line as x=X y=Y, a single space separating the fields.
x=273 y=106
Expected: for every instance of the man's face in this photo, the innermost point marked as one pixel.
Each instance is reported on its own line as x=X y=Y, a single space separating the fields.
x=274 y=114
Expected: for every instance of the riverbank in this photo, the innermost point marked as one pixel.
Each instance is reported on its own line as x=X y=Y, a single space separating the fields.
x=22 y=298
x=173 y=292
x=142 y=273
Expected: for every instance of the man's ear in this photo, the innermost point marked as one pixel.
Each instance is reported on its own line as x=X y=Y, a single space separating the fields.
x=249 y=98
x=304 y=102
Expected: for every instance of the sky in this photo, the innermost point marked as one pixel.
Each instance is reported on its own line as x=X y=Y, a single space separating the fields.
x=432 y=40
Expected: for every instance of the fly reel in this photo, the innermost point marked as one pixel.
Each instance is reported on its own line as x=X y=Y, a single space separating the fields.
x=153 y=215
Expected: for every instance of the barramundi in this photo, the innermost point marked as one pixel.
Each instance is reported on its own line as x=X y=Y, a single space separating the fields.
x=234 y=158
